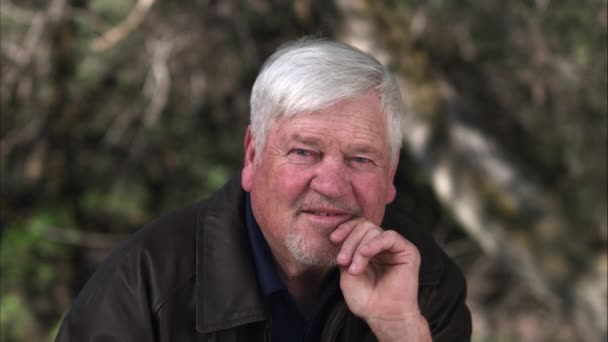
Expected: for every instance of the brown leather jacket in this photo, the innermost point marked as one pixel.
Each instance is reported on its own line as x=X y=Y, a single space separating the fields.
x=189 y=276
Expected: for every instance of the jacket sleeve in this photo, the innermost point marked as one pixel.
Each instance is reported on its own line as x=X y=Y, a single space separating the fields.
x=114 y=304
x=444 y=306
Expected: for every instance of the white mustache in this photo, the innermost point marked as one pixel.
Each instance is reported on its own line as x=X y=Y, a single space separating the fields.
x=304 y=203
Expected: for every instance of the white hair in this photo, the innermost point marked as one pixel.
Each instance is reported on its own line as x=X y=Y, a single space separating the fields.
x=311 y=75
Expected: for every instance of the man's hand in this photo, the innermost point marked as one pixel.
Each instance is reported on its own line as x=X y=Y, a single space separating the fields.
x=379 y=280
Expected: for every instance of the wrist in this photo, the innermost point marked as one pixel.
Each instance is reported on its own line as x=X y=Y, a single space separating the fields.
x=412 y=327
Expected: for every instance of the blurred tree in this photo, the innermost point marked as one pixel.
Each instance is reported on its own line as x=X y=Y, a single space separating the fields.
x=499 y=121
x=115 y=111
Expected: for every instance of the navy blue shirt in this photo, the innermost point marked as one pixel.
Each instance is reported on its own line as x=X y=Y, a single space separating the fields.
x=287 y=322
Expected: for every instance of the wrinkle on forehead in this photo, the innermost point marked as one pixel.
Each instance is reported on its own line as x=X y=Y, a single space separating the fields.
x=321 y=133
x=320 y=123
x=357 y=122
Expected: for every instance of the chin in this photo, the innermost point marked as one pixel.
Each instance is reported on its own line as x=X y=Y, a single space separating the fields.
x=321 y=255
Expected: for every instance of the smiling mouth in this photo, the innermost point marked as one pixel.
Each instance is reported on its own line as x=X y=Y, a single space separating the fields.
x=326 y=220
x=325 y=214
x=329 y=215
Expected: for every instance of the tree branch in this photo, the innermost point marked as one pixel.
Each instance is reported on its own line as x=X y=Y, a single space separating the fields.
x=120 y=31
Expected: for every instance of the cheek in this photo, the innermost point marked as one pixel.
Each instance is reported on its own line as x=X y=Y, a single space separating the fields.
x=371 y=193
x=291 y=181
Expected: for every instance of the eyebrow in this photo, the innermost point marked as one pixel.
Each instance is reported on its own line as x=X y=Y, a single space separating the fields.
x=306 y=140
x=359 y=148
x=354 y=147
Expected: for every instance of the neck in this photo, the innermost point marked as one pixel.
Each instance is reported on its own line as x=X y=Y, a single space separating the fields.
x=304 y=284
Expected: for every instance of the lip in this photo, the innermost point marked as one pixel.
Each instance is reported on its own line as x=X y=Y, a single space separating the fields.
x=326 y=216
x=325 y=211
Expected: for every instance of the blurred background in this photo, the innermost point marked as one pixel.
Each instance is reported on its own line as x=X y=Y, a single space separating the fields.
x=115 y=111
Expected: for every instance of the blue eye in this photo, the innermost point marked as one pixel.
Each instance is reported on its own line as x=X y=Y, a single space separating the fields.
x=301 y=155
x=362 y=160
x=363 y=164
x=302 y=152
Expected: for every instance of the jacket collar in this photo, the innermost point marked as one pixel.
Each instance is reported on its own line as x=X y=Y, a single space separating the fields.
x=227 y=291
x=431 y=256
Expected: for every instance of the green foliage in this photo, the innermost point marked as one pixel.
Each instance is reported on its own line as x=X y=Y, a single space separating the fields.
x=125 y=200
x=28 y=259
x=15 y=318
x=84 y=151
x=111 y=11
x=26 y=252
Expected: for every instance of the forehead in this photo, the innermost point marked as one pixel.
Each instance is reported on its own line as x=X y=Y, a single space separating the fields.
x=359 y=119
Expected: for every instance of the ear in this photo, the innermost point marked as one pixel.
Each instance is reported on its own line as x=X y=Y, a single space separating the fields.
x=392 y=191
x=248 y=172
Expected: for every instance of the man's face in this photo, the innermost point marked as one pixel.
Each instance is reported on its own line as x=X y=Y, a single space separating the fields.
x=316 y=172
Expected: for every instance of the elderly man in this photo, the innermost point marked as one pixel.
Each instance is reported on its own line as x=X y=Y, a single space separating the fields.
x=295 y=249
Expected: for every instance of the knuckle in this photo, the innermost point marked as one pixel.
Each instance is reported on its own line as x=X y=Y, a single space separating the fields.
x=372 y=227
x=372 y=233
x=354 y=237
x=347 y=245
x=392 y=234
x=415 y=252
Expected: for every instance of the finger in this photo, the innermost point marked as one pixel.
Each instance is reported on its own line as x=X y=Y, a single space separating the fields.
x=344 y=230
x=398 y=248
x=362 y=232
x=389 y=241
x=359 y=261
x=350 y=243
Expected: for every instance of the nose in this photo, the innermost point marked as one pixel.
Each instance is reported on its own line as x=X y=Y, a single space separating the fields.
x=331 y=179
